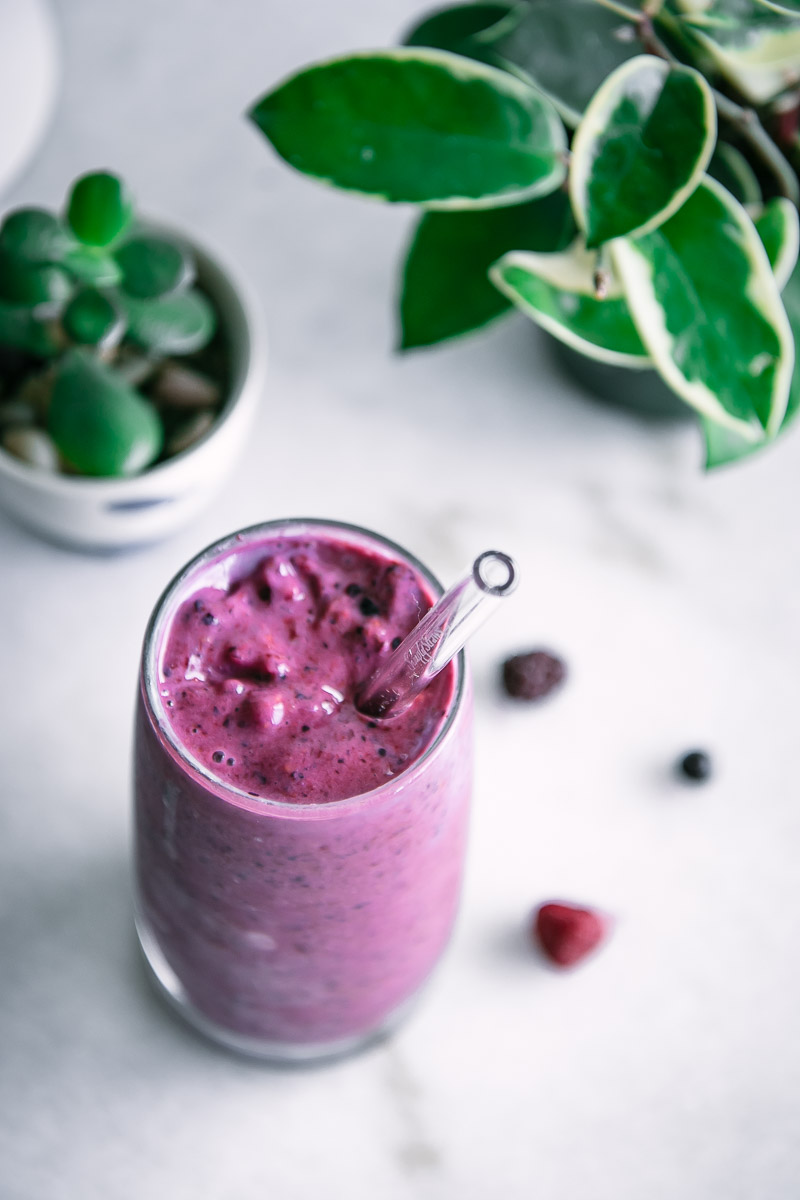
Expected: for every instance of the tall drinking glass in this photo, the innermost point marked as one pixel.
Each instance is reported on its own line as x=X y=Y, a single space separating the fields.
x=282 y=926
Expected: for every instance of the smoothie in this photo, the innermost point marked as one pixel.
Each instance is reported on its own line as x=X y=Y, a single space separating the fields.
x=298 y=865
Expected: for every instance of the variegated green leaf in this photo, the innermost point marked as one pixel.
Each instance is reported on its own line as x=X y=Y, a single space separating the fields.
x=446 y=286
x=708 y=309
x=468 y=29
x=779 y=230
x=568 y=47
x=790 y=8
x=755 y=46
x=416 y=125
x=730 y=168
x=558 y=292
x=791 y=302
x=641 y=148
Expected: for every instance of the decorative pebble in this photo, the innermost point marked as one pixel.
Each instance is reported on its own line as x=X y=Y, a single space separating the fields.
x=136 y=368
x=696 y=765
x=566 y=933
x=183 y=387
x=32 y=446
x=190 y=432
x=16 y=412
x=533 y=675
x=37 y=391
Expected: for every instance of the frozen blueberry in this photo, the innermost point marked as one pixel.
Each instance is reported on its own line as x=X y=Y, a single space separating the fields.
x=396 y=642
x=368 y=607
x=218 y=756
x=209 y=619
x=353 y=589
x=533 y=675
x=696 y=765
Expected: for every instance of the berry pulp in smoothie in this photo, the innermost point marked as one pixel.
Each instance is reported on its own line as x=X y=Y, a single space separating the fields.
x=298 y=865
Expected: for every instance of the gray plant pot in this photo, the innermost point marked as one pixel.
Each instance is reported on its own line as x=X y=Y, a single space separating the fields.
x=643 y=392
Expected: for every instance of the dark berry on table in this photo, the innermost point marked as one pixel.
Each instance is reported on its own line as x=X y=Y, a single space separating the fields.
x=533 y=675
x=696 y=765
x=566 y=933
x=368 y=607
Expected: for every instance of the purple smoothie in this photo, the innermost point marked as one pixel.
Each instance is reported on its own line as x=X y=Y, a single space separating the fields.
x=298 y=866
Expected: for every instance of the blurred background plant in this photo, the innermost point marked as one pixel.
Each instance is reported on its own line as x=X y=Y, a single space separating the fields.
x=623 y=173
x=95 y=311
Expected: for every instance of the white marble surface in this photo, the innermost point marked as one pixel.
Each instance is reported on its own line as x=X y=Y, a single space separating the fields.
x=669 y=1066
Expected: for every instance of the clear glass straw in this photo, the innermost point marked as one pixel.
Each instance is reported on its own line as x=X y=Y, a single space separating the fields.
x=439 y=636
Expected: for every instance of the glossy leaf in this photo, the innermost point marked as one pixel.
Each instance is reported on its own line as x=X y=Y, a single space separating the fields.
x=101 y=425
x=92 y=319
x=468 y=29
x=725 y=445
x=707 y=307
x=558 y=292
x=778 y=228
x=446 y=286
x=791 y=303
x=567 y=47
x=100 y=208
x=755 y=46
x=179 y=323
x=789 y=8
x=730 y=168
x=417 y=125
x=35 y=236
x=152 y=266
x=641 y=148
x=23 y=283
x=20 y=330
x=95 y=268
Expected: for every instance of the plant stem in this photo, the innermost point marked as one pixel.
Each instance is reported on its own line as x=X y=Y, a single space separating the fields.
x=744 y=120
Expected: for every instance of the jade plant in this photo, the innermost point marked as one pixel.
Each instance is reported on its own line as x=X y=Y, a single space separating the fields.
x=623 y=173
x=94 y=312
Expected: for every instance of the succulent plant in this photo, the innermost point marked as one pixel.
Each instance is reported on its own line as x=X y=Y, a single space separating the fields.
x=92 y=307
x=622 y=172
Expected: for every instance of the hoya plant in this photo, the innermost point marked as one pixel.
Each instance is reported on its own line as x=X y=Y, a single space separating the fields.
x=94 y=310
x=623 y=173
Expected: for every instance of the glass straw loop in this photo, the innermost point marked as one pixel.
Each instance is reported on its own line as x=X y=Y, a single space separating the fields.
x=438 y=637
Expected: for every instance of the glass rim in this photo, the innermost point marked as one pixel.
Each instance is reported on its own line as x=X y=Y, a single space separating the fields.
x=155 y=709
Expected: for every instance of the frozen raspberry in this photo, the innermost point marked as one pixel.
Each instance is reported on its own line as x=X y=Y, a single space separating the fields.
x=532 y=676
x=567 y=933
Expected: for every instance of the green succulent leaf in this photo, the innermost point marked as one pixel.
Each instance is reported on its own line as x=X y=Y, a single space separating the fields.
x=35 y=236
x=23 y=283
x=468 y=29
x=719 y=337
x=92 y=319
x=730 y=168
x=725 y=445
x=641 y=148
x=20 y=330
x=446 y=286
x=558 y=292
x=92 y=267
x=779 y=230
x=152 y=266
x=567 y=47
x=99 y=423
x=179 y=323
x=416 y=125
x=100 y=208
